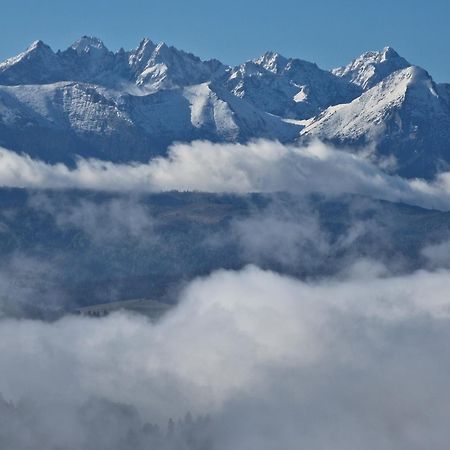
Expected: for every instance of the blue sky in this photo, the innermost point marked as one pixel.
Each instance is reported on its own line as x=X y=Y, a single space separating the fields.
x=328 y=32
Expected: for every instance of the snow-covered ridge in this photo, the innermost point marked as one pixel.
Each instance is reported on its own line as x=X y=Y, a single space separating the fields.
x=131 y=104
x=88 y=60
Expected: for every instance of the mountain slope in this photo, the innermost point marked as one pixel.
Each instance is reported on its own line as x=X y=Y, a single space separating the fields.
x=406 y=115
x=58 y=121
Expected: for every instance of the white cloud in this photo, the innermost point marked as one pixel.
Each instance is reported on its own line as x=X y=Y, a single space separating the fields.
x=343 y=364
x=438 y=254
x=289 y=236
x=110 y=221
x=355 y=361
x=260 y=166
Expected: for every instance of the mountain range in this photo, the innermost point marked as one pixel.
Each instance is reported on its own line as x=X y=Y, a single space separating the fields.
x=131 y=105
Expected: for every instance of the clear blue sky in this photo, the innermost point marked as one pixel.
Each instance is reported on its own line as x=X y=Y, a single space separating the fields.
x=328 y=32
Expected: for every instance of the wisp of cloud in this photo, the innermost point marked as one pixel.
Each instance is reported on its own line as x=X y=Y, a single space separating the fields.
x=260 y=166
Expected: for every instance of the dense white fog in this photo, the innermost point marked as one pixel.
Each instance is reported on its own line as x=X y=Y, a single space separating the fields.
x=359 y=361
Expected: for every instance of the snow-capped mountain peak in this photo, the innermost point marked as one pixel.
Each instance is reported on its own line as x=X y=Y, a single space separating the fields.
x=366 y=115
x=153 y=66
x=36 y=49
x=139 y=58
x=89 y=44
x=272 y=61
x=389 y=53
x=404 y=116
x=288 y=87
x=36 y=45
x=168 y=67
x=378 y=56
x=37 y=62
x=372 y=67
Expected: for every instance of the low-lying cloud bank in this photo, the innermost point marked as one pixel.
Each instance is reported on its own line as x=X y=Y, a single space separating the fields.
x=260 y=166
x=357 y=360
x=349 y=363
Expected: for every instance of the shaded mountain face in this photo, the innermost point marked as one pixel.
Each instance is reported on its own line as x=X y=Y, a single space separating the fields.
x=131 y=105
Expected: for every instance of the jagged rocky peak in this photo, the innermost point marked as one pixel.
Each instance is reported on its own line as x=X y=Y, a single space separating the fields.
x=169 y=67
x=35 y=49
x=248 y=68
x=278 y=64
x=162 y=48
x=272 y=61
x=139 y=57
x=389 y=53
x=37 y=64
x=170 y=55
x=89 y=45
x=38 y=46
x=144 y=50
x=372 y=67
x=379 y=56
